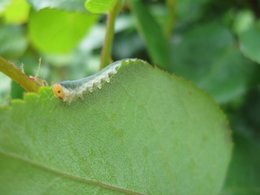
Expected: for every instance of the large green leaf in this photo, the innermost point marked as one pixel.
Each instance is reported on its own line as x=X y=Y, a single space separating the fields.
x=100 y=6
x=145 y=132
x=152 y=33
x=71 y=5
x=55 y=31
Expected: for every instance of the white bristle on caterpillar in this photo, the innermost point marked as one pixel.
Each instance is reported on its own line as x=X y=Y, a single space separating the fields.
x=68 y=91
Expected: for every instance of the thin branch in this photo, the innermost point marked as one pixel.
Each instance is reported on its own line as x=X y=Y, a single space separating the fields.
x=171 y=5
x=110 y=29
x=18 y=76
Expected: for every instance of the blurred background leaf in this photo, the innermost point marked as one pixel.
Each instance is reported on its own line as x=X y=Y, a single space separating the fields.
x=152 y=33
x=244 y=19
x=189 y=10
x=208 y=55
x=244 y=173
x=100 y=6
x=16 y=12
x=55 y=31
x=250 y=42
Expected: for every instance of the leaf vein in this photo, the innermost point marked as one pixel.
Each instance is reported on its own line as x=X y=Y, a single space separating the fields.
x=69 y=176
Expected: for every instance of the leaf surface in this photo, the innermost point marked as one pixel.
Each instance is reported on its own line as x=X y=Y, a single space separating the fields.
x=16 y=12
x=100 y=6
x=189 y=10
x=143 y=133
x=250 y=42
x=55 y=31
x=152 y=33
x=244 y=173
x=208 y=55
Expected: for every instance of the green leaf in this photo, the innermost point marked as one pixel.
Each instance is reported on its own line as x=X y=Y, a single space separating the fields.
x=16 y=91
x=144 y=132
x=152 y=33
x=16 y=12
x=208 y=55
x=244 y=173
x=190 y=10
x=250 y=42
x=13 y=41
x=71 y=5
x=243 y=21
x=99 y=6
x=55 y=31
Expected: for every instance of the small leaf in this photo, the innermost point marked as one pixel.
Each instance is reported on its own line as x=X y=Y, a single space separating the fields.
x=144 y=132
x=152 y=33
x=244 y=173
x=208 y=55
x=16 y=12
x=250 y=42
x=190 y=10
x=55 y=31
x=243 y=21
x=71 y=5
x=3 y=4
x=99 y=6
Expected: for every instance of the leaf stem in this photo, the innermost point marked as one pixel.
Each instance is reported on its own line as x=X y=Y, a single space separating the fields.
x=171 y=5
x=110 y=28
x=17 y=75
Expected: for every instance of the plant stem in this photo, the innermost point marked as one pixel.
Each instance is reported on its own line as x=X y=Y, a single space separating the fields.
x=171 y=5
x=17 y=75
x=110 y=28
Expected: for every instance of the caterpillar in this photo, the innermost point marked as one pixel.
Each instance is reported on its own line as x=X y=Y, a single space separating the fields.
x=68 y=91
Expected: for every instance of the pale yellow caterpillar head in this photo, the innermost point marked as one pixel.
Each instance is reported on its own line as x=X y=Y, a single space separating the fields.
x=58 y=91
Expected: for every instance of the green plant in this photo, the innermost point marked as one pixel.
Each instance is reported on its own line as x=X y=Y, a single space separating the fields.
x=147 y=131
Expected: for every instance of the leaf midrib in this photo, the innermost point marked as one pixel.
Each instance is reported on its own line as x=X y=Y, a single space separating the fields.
x=70 y=176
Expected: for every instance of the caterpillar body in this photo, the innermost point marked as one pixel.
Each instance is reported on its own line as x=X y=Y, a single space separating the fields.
x=68 y=91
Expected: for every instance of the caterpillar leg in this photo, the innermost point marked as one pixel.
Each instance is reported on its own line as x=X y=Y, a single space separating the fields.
x=106 y=79
x=98 y=84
